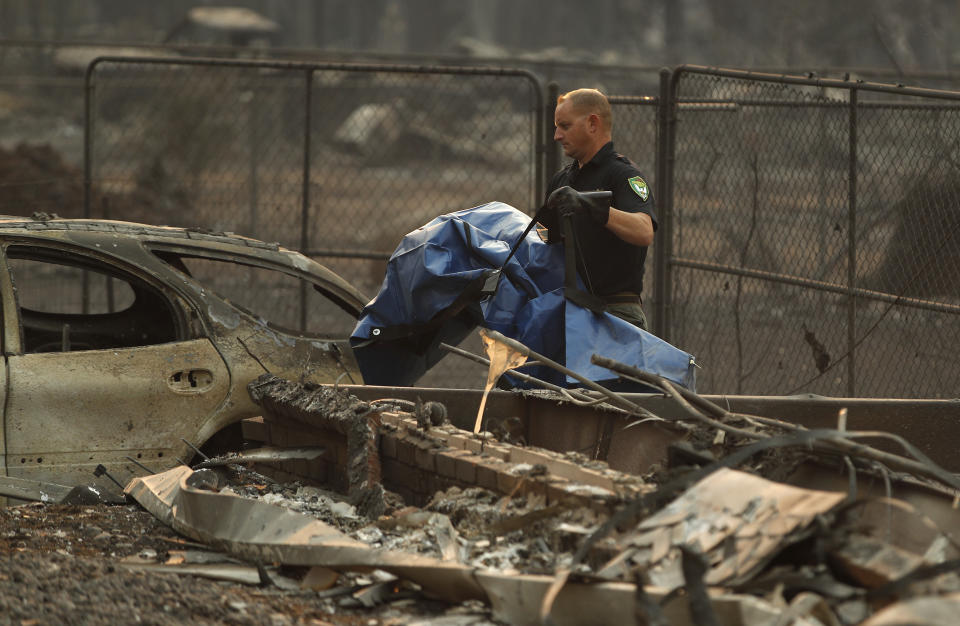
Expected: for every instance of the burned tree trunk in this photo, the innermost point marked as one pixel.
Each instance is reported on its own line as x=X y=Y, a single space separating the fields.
x=923 y=257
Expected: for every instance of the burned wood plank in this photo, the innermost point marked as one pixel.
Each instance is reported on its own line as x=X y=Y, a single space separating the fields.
x=874 y=563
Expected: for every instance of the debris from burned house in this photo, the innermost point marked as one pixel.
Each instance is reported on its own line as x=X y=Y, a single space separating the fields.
x=261 y=455
x=40 y=491
x=369 y=129
x=747 y=528
x=355 y=422
x=238 y=26
x=528 y=522
x=400 y=130
x=768 y=521
x=36 y=178
x=370 y=443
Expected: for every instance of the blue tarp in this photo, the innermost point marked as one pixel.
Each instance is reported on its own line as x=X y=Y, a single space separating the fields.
x=432 y=294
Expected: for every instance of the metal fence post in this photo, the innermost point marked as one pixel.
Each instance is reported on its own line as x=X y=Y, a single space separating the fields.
x=305 y=215
x=549 y=145
x=542 y=146
x=87 y=136
x=852 y=250
x=253 y=111
x=664 y=245
x=87 y=168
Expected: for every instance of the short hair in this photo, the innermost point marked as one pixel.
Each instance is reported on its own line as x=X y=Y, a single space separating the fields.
x=589 y=101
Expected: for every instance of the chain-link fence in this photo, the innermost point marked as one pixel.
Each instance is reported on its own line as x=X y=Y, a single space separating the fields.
x=814 y=234
x=336 y=160
x=635 y=134
x=41 y=134
x=808 y=226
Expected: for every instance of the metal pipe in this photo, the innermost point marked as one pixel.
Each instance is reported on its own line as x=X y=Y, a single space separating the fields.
x=818 y=82
x=141 y=465
x=87 y=174
x=732 y=105
x=305 y=66
x=253 y=162
x=787 y=279
x=195 y=449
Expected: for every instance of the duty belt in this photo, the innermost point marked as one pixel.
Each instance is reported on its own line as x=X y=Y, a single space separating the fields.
x=623 y=297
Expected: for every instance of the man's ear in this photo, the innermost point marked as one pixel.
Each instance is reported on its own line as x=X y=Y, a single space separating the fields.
x=594 y=121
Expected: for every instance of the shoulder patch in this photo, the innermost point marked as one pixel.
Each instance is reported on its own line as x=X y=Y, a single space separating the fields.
x=640 y=187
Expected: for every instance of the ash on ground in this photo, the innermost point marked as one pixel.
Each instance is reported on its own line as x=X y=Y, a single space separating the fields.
x=472 y=526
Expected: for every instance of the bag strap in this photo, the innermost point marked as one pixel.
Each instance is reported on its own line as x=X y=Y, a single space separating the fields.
x=570 y=289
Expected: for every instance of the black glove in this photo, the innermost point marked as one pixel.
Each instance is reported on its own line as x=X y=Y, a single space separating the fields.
x=563 y=201
x=567 y=201
x=597 y=204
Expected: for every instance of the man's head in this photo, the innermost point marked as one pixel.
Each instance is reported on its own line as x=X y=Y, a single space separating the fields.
x=584 y=122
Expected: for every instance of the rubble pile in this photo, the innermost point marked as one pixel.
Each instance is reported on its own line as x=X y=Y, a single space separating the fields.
x=35 y=178
x=472 y=526
x=748 y=520
x=709 y=538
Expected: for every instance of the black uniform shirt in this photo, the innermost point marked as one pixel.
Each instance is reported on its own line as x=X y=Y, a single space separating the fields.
x=606 y=263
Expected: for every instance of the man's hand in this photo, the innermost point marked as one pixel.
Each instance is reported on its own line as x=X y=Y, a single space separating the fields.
x=597 y=204
x=566 y=201
x=563 y=201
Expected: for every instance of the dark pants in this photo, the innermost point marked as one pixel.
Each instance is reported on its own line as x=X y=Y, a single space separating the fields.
x=630 y=311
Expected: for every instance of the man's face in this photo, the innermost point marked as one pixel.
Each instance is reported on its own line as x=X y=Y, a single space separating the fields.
x=573 y=130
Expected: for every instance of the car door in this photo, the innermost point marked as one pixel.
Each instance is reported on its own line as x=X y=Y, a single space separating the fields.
x=102 y=368
x=293 y=321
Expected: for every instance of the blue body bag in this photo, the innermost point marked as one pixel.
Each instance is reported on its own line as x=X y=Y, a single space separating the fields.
x=434 y=292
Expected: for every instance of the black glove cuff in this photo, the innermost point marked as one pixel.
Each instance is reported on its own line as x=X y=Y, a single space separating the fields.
x=600 y=213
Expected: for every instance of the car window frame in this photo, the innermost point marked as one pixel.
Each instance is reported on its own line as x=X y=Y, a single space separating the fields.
x=79 y=256
x=350 y=302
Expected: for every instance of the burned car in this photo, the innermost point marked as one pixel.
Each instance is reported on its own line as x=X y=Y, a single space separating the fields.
x=128 y=344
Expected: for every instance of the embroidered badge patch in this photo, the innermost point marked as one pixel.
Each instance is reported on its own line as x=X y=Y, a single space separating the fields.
x=639 y=186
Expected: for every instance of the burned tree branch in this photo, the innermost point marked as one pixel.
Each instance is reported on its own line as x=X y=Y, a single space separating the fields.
x=572 y=396
x=832 y=441
x=613 y=398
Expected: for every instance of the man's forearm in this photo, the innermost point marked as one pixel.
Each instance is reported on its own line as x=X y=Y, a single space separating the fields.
x=634 y=228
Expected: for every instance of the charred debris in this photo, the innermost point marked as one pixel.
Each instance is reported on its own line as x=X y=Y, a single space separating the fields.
x=728 y=518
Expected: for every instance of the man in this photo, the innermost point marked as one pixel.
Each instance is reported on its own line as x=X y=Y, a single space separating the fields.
x=611 y=239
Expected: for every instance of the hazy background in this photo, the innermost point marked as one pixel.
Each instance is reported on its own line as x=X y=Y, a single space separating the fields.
x=899 y=35
x=761 y=182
